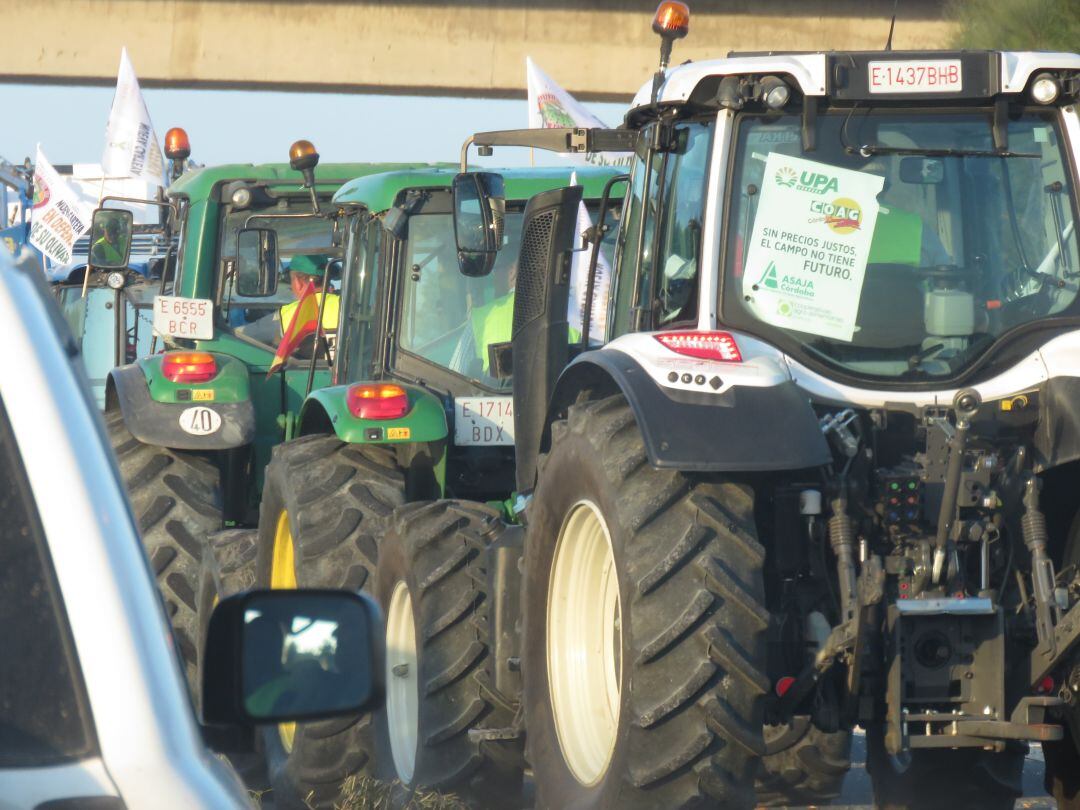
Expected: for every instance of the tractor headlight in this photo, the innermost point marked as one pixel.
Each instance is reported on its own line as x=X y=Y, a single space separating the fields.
x=1045 y=89
x=115 y=280
x=241 y=198
x=774 y=92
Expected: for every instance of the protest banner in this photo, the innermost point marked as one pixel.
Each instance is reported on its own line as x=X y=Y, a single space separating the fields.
x=810 y=244
x=58 y=217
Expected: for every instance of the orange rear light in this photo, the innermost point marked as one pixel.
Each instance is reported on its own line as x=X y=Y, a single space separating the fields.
x=188 y=367
x=377 y=401
x=177 y=145
x=703 y=345
x=672 y=19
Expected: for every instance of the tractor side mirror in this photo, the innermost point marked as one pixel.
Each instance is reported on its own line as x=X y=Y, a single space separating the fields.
x=110 y=238
x=286 y=655
x=256 y=262
x=479 y=211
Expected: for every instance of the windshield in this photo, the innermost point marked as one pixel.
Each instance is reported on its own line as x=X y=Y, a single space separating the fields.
x=308 y=236
x=890 y=263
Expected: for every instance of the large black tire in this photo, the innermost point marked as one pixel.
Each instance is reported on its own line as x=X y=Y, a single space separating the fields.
x=176 y=498
x=945 y=779
x=228 y=568
x=691 y=649
x=338 y=497
x=437 y=550
x=810 y=772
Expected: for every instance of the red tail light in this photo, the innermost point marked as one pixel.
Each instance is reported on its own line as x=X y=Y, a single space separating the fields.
x=377 y=401
x=188 y=367
x=703 y=345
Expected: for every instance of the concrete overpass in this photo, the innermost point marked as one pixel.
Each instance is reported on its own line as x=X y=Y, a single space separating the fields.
x=600 y=50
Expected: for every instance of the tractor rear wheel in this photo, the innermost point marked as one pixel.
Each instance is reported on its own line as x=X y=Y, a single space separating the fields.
x=809 y=772
x=323 y=511
x=432 y=585
x=228 y=568
x=176 y=498
x=644 y=625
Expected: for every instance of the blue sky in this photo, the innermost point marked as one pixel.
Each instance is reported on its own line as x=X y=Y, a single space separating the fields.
x=227 y=126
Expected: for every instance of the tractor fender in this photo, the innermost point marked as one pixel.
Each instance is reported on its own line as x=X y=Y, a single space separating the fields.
x=744 y=429
x=327 y=410
x=162 y=423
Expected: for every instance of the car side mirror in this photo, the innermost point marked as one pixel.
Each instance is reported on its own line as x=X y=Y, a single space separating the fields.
x=922 y=171
x=110 y=238
x=256 y=262
x=288 y=655
x=479 y=213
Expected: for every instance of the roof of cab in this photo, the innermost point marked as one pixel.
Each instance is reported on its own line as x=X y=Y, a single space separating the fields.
x=199 y=183
x=377 y=192
x=810 y=71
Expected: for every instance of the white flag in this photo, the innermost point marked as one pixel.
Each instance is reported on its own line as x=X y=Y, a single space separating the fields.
x=58 y=217
x=131 y=146
x=579 y=280
x=551 y=107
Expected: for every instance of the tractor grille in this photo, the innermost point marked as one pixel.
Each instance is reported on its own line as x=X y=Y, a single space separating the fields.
x=532 y=268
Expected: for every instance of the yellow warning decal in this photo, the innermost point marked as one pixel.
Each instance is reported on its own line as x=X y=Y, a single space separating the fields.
x=203 y=396
x=398 y=433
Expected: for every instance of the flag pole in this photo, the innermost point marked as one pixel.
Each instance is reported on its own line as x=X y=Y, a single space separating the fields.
x=318 y=330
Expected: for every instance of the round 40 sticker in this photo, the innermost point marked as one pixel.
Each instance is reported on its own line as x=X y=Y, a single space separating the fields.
x=200 y=421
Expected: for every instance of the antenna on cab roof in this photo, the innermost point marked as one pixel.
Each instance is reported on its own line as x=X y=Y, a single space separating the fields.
x=892 y=25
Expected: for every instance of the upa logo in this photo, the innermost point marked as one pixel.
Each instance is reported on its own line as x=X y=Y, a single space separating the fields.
x=786 y=177
x=842 y=215
x=810 y=182
x=552 y=112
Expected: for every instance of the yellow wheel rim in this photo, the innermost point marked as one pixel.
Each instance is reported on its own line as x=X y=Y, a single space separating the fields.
x=283 y=576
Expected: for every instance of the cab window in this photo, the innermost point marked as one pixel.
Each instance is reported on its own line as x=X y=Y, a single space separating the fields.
x=661 y=245
x=356 y=339
x=44 y=713
x=450 y=319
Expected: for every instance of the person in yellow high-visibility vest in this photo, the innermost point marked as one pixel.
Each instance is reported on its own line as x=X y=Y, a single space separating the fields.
x=302 y=269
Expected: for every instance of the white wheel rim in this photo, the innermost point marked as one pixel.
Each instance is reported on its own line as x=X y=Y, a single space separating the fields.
x=584 y=643
x=402 y=683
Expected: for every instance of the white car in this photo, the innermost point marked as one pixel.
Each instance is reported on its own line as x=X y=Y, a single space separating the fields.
x=94 y=710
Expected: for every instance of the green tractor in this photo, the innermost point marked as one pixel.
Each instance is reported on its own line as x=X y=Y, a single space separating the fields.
x=420 y=409
x=193 y=425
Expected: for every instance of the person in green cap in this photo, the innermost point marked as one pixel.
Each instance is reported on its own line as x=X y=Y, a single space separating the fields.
x=302 y=270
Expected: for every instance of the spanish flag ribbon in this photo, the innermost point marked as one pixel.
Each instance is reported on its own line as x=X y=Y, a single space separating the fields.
x=304 y=321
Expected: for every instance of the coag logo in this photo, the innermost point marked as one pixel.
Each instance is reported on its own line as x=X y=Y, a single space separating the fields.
x=842 y=215
x=786 y=177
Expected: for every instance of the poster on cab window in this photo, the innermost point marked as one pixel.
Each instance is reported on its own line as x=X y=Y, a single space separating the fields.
x=809 y=246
